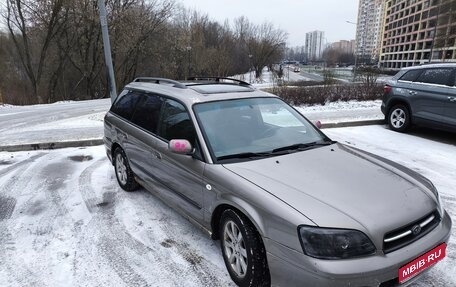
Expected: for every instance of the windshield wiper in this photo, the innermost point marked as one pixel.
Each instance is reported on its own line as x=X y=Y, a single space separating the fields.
x=245 y=155
x=302 y=146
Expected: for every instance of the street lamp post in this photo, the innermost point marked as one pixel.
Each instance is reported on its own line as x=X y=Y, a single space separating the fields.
x=107 y=50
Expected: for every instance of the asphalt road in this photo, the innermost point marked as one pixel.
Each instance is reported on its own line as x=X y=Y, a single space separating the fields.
x=65 y=222
x=53 y=122
x=290 y=75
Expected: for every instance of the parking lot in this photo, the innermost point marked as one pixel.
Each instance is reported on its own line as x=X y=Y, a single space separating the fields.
x=64 y=221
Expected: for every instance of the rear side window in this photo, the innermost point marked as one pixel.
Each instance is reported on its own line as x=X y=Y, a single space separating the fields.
x=411 y=75
x=439 y=76
x=147 y=113
x=125 y=105
x=176 y=122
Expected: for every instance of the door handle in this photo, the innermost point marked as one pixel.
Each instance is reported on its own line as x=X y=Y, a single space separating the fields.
x=452 y=99
x=412 y=93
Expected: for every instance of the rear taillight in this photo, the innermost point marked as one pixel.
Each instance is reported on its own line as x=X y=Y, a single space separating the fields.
x=387 y=89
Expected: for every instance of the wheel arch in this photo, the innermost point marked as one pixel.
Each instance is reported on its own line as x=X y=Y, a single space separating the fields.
x=244 y=209
x=113 y=149
x=399 y=101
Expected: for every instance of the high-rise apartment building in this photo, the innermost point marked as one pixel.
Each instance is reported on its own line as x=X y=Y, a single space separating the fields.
x=369 y=30
x=417 y=32
x=315 y=45
x=347 y=47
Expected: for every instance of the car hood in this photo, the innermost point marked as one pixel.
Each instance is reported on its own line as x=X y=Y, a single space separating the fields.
x=340 y=186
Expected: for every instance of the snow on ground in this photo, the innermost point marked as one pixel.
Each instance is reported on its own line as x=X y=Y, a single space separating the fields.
x=62 y=121
x=85 y=121
x=64 y=221
x=340 y=111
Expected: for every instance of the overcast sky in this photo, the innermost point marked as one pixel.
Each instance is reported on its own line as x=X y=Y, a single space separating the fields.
x=297 y=17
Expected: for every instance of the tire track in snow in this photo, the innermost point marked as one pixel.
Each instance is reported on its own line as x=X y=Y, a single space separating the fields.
x=53 y=178
x=113 y=241
x=14 y=186
x=7 y=205
x=85 y=188
x=197 y=266
x=203 y=269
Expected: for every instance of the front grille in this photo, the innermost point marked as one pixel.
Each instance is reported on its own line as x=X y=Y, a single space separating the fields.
x=407 y=234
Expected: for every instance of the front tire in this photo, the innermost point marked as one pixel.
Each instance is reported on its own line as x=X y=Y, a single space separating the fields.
x=243 y=250
x=399 y=118
x=124 y=174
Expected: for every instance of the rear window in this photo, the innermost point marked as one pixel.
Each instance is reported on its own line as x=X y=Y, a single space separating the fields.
x=125 y=105
x=439 y=76
x=147 y=113
x=411 y=75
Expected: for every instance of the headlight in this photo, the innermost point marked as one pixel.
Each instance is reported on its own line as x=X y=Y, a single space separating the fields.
x=441 y=209
x=437 y=195
x=328 y=243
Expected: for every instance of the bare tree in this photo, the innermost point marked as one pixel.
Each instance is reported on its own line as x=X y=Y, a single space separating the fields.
x=133 y=24
x=22 y=18
x=264 y=43
x=55 y=46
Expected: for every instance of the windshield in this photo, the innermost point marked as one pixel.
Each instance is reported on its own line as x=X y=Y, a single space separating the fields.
x=252 y=128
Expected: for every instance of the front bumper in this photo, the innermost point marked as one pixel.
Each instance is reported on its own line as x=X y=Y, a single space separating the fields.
x=291 y=268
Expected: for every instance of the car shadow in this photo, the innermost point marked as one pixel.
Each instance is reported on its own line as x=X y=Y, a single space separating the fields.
x=433 y=134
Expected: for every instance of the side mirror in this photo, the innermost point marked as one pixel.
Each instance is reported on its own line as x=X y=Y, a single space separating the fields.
x=318 y=124
x=180 y=147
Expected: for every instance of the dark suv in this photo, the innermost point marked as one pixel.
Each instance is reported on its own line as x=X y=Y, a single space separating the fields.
x=422 y=95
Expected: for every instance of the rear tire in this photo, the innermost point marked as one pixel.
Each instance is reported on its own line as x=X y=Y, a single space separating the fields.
x=124 y=174
x=243 y=250
x=399 y=118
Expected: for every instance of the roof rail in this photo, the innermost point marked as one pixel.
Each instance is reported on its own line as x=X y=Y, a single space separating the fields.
x=175 y=84
x=217 y=80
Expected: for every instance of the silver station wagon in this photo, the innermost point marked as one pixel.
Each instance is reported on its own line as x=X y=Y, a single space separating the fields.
x=290 y=206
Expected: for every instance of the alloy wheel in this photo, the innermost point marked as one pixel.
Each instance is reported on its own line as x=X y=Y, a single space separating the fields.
x=235 y=249
x=121 y=169
x=398 y=118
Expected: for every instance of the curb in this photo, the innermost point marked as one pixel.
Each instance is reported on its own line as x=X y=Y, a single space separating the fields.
x=352 y=124
x=51 y=145
x=94 y=142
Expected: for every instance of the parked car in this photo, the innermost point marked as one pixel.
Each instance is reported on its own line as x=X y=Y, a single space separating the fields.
x=423 y=95
x=290 y=206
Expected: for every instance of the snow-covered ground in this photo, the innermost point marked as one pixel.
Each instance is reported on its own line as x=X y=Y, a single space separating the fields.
x=338 y=112
x=62 y=121
x=65 y=222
